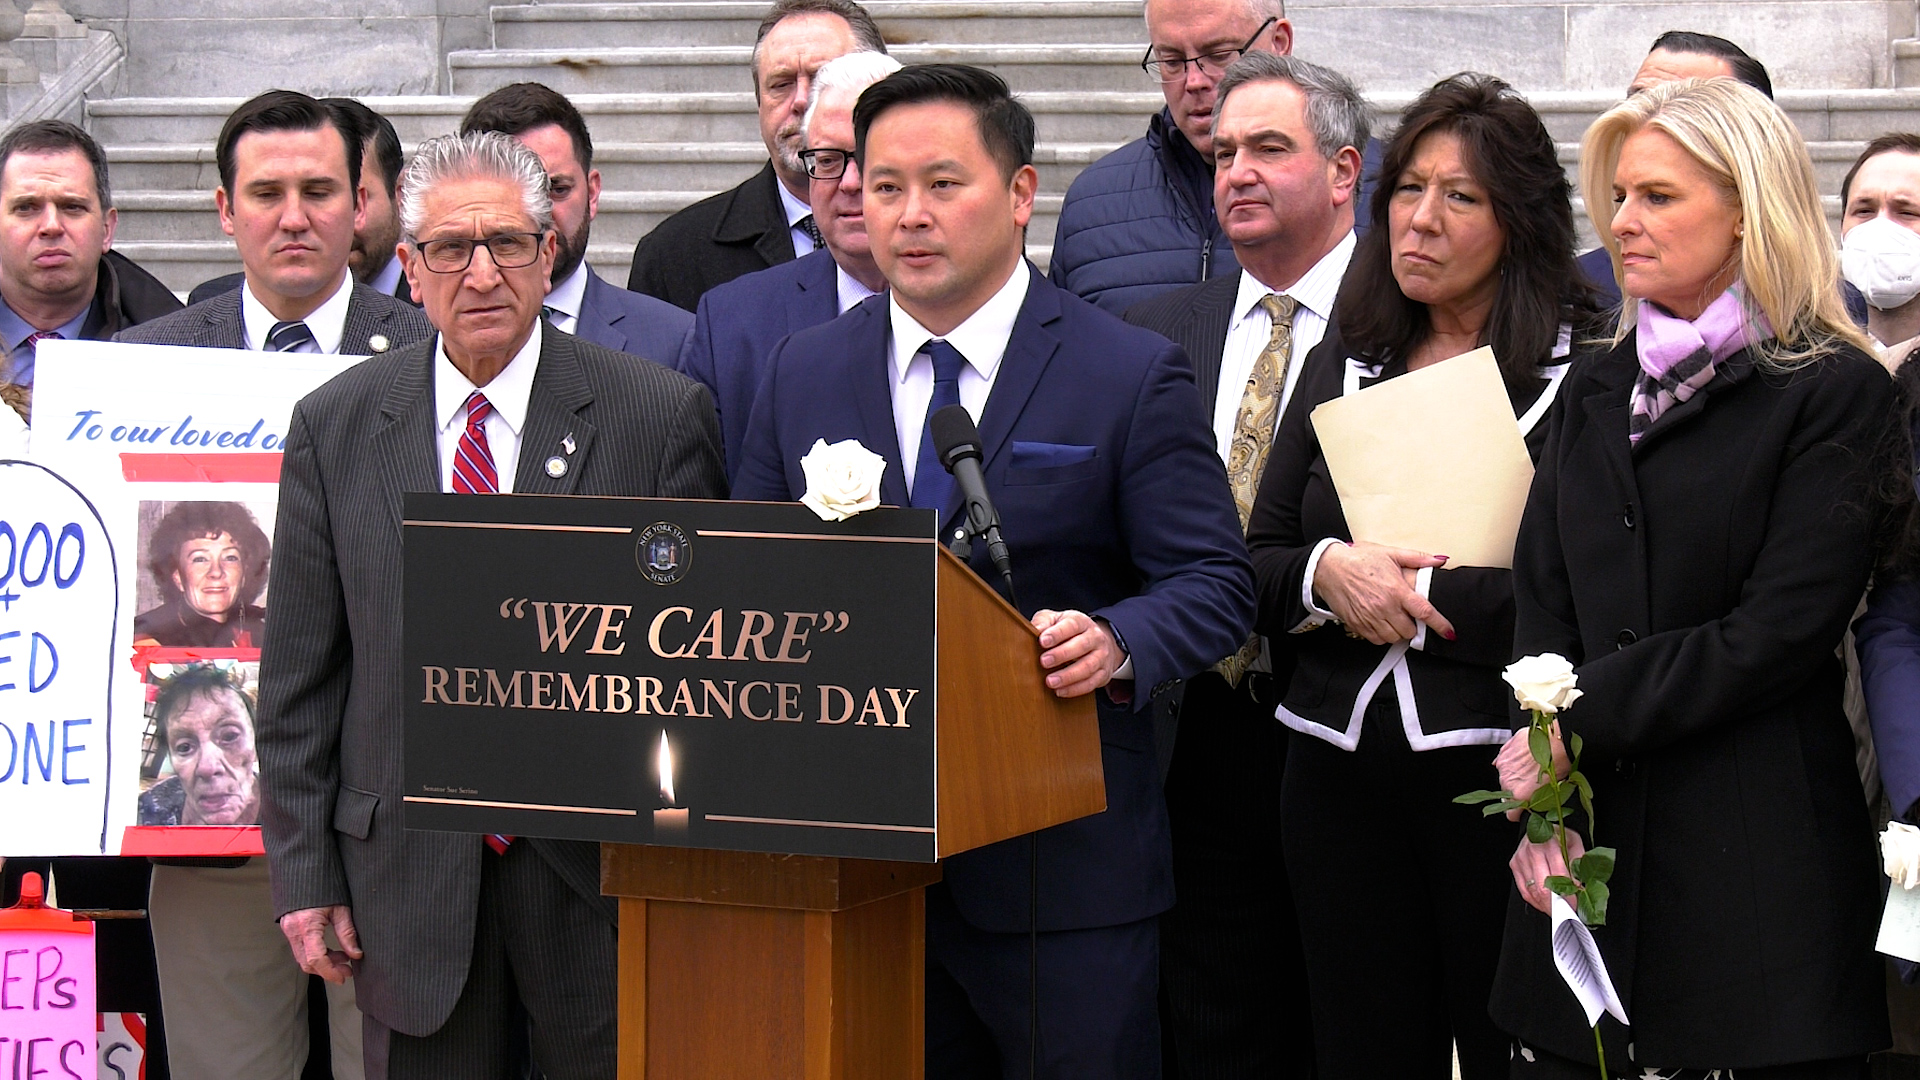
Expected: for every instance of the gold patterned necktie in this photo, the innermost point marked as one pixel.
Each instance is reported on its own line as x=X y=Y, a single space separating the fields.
x=1253 y=428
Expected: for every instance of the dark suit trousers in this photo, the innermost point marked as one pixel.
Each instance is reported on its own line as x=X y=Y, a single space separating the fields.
x=1098 y=1019
x=1231 y=970
x=1402 y=897
x=540 y=952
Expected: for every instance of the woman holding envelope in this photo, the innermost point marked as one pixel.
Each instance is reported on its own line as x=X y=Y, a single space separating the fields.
x=1396 y=701
x=1699 y=531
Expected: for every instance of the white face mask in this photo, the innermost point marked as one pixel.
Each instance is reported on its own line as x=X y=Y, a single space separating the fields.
x=1882 y=260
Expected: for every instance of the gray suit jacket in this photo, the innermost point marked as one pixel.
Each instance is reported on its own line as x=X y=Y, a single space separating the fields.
x=216 y=323
x=332 y=687
x=629 y=322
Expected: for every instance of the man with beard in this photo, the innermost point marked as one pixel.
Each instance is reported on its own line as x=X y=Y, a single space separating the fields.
x=579 y=302
x=766 y=220
x=371 y=261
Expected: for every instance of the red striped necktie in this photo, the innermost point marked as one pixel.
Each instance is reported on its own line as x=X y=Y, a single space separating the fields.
x=473 y=469
x=474 y=474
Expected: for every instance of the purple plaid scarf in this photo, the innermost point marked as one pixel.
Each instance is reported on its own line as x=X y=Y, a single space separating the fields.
x=1678 y=357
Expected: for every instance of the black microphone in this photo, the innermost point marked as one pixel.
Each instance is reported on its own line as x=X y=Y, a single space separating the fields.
x=957 y=442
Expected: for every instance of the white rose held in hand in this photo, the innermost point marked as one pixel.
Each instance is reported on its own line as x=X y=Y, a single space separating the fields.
x=842 y=479
x=1900 y=850
x=1543 y=683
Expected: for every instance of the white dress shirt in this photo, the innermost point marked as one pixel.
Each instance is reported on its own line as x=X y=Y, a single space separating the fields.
x=850 y=289
x=387 y=281
x=981 y=340
x=566 y=299
x=507 y=393
x=1252 y=328
x=802 y=243
x=328 y=322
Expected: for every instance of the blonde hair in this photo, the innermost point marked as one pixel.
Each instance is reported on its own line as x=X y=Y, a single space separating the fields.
x=1787 y=264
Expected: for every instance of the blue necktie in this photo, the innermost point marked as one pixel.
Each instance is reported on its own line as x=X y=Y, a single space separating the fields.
x=932 y=483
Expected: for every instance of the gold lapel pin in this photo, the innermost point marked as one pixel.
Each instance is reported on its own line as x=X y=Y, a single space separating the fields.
x=556 y=466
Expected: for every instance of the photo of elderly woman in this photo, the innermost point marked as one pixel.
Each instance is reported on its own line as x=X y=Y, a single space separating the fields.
x=208 y=562
x=199 y=766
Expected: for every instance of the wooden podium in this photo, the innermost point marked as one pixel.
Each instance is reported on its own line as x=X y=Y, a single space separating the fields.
x=774 y=725
x=762 y=966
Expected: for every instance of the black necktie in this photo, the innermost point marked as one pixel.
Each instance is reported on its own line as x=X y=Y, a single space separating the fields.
x=812 y=229
x=288 y=336
x=932 y=483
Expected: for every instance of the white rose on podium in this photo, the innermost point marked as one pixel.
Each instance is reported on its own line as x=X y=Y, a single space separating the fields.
x=1543 y=683
x=842 y=479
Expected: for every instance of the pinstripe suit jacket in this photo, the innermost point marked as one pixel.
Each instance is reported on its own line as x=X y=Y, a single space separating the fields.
x=1195 y=318
x=331 y=687
x=215 y=323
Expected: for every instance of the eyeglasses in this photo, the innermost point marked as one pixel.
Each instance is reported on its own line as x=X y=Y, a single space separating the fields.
x=825 y=164
x=509 y=251
x=1174 y=68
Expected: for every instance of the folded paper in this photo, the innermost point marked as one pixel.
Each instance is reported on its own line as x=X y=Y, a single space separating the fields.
x=1433 y=461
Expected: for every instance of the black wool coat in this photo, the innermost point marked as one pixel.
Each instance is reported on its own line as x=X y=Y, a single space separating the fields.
x=1700 y=582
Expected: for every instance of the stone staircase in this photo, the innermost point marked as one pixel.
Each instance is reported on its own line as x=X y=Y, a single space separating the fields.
x=666 y=90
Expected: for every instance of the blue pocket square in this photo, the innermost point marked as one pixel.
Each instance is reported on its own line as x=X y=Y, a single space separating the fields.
x=1046 y=455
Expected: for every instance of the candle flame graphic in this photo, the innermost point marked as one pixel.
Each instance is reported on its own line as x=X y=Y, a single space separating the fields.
x=664 y=762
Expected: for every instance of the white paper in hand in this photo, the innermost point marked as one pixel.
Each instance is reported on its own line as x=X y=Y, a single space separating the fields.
x=1578 y=957
x=1900 y=925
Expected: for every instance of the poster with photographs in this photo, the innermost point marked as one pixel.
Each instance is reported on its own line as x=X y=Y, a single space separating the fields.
x=198 y=765
x=178 y=450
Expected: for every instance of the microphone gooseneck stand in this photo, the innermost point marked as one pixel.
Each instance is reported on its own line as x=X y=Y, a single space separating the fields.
x=958 y=442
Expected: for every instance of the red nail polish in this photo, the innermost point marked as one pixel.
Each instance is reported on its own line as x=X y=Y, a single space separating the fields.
x=1449 y=635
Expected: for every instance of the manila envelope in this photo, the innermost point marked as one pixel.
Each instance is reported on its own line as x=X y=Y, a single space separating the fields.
x=1432 y=460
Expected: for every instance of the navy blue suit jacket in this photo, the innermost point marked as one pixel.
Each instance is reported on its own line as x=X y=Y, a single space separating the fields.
x=628 y=322
x=740 y=322
x=1101 y=463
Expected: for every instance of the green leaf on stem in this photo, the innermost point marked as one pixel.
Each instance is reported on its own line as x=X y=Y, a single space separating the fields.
x=1502 y=807
x=1574 y=745
x=1593 y=904
x=1474 y=797
x=1539 y=829
x=1595 y=867
x=1561 y=885
x=1541 y=748
x=1548 y=800
x=1585 y=789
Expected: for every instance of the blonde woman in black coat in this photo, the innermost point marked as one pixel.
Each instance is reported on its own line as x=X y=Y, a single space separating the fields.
x=1697 y=536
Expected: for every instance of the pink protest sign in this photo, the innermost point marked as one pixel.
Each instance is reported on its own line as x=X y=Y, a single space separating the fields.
x=47 y=1021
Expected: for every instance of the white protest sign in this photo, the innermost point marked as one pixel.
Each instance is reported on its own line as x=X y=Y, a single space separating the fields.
x=59 y=628
x=178 y=451
x=1578 y=957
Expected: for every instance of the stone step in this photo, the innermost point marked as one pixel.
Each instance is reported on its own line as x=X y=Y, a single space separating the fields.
x=1906 y=62
x=734 y=22
x=727 y=67
x=706 y=167
x=1091 y=117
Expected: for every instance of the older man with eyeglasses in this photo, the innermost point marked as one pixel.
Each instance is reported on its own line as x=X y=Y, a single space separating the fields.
x=450 y=938
x=1140 y=221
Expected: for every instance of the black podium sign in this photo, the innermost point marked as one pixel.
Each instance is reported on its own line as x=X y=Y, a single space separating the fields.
x=702 y=674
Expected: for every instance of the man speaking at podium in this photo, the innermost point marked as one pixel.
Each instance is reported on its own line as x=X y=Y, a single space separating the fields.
x=452 y=938
x=1125 y=550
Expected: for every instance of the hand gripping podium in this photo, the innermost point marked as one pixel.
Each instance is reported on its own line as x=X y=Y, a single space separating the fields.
x=775 y=726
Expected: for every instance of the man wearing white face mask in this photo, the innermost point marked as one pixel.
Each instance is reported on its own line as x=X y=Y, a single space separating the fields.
x=1880 y=249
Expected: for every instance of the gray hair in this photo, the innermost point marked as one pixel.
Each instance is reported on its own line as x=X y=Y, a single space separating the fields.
x=854 y=71
x=1258 y=10
x=1336 y=113
x=480 y=155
